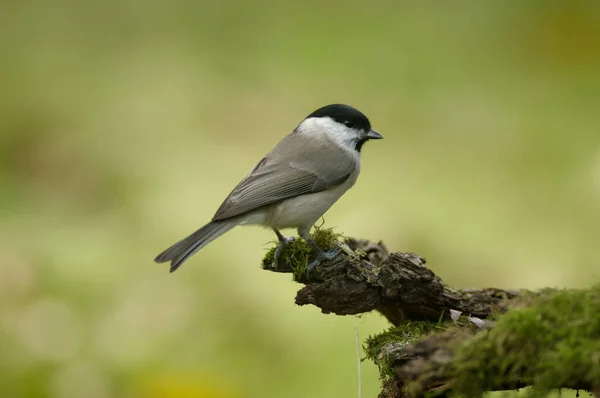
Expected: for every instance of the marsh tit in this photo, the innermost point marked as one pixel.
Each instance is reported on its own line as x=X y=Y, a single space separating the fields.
x=293 y=185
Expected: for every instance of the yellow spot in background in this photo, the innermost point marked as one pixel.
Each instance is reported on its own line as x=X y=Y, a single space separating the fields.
x=184 y=385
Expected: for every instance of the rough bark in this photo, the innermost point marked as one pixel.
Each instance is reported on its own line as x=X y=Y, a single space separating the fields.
x=398 y=285
x=367 y=277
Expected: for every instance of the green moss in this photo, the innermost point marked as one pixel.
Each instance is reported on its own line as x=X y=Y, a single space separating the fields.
x=550 y=340
x=407 y=333
x=553 y=341
x=299 y=254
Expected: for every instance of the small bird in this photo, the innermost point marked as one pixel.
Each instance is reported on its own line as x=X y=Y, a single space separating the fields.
x=293 y=185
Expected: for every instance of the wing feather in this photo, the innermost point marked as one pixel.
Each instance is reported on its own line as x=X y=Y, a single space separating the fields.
x=285 y=173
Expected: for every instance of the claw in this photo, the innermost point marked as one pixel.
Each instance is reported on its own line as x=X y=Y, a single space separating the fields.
x=322 y=256
x=282 y=243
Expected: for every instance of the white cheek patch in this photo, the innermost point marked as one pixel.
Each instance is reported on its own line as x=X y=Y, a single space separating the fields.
x=339 y=133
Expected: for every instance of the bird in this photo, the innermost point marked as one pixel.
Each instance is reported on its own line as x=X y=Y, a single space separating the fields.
x=293 y=185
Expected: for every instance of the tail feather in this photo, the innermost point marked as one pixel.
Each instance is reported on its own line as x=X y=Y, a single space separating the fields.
x=185 y=248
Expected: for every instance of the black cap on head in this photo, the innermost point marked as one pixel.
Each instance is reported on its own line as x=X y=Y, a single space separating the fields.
x=345 y=115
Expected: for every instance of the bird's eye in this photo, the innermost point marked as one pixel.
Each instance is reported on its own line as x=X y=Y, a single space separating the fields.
x=348 y=124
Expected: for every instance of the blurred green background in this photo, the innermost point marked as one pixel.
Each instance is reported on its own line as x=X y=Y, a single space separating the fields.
x=123 y=124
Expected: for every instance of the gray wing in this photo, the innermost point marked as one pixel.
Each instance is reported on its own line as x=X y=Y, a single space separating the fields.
x=291 y=169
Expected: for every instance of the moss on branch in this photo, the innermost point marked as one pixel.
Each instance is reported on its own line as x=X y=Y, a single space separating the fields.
x=549 y=342
x=554 y=342
x=296 y=255
x=453 y=341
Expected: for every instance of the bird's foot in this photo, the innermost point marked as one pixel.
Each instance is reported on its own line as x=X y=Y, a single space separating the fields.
x=322 y=256
x=282 y=243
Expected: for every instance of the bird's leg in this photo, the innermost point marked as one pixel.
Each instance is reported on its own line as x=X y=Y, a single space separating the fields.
x=283 y=241
x=321 y=255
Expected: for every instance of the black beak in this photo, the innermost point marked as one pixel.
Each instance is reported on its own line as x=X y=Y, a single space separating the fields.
x=374 y=135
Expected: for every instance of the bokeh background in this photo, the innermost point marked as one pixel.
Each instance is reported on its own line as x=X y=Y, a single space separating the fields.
x=123 y=124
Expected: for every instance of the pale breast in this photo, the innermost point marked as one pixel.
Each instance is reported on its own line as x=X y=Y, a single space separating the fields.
x=305 y=210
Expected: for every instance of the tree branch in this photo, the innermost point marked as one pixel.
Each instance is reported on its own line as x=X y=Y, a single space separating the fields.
x=399 y=286
x=456 y=340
